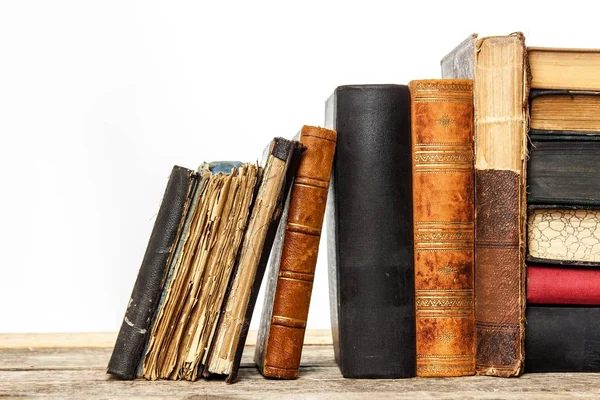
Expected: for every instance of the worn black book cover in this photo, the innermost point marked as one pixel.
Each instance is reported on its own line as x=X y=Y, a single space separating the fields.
x=147 y=290
x=370 y=236
x=562 y=339
x=564 y=171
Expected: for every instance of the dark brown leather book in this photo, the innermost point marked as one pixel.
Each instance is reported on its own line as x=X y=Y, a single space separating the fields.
x=501 y=82
x=443 y=207
x=289 y=287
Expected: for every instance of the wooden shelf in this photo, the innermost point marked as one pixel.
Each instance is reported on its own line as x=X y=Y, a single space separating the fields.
x=31 y=370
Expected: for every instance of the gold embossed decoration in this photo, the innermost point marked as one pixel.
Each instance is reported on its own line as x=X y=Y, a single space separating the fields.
x=445 y=121
x=447 y=270
x=445 y=336
x=443 y=226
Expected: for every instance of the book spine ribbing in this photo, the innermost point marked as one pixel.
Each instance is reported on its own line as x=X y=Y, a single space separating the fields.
x=443 y=208
x=283 y=334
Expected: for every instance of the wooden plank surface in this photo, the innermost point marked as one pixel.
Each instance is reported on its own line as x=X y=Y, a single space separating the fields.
x=79 y=372
x=107 y=339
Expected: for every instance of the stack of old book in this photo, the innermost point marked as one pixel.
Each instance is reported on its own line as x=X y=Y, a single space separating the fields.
x=426 y=223
x=437 y=200
x=563 y=260
x=191 y=304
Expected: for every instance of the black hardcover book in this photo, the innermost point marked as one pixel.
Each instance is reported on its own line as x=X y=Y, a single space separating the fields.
x=562 y=339
x=147 y=290
x=564 y=171
x=370 y=239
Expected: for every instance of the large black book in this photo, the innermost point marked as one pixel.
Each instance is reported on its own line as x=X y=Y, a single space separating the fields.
x=562 y=339
x=370 y=238
x=147 y=290
x=563 y=170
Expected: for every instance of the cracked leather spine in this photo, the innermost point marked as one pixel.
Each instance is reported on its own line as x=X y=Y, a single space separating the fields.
x=443 y=208
x=287 y=299
x=147 y=290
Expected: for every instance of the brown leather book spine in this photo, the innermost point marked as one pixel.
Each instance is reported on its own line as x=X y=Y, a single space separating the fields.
x=299 y=254
x=501 y=121
x=444 y=235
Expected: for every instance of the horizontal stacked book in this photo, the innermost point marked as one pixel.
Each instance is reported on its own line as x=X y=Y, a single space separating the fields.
x=563 y=272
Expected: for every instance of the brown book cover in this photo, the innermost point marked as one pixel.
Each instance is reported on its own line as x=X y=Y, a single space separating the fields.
x=280 y=160
x=444 y=235
x=501 y=89
x=287 y=298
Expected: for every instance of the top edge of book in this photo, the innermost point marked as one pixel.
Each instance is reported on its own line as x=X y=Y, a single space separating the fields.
x=562 y=50
x=369 y=86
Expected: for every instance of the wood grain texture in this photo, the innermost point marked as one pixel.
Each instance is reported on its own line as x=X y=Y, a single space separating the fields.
x=73 y=373
x=107 y=339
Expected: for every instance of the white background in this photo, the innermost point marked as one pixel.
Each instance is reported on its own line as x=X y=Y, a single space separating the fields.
x=99 y=99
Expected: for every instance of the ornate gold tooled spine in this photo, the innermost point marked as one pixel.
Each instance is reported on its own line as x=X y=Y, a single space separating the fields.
x=443 y=207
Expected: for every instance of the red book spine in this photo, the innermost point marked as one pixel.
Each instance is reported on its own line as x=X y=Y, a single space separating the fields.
x=551 y=285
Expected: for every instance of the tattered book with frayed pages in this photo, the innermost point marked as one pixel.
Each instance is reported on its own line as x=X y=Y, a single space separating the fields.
x=195 y=292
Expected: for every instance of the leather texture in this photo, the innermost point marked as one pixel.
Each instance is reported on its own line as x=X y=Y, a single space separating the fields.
x=147 y=290
x=370 y=238
x=562 y=339
x=287 y=299
x=289 y=151
x=559 y=172
x=565 y=235
x=501 y=87
x=563 y=285
x=498 y=291
x=443 y=207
